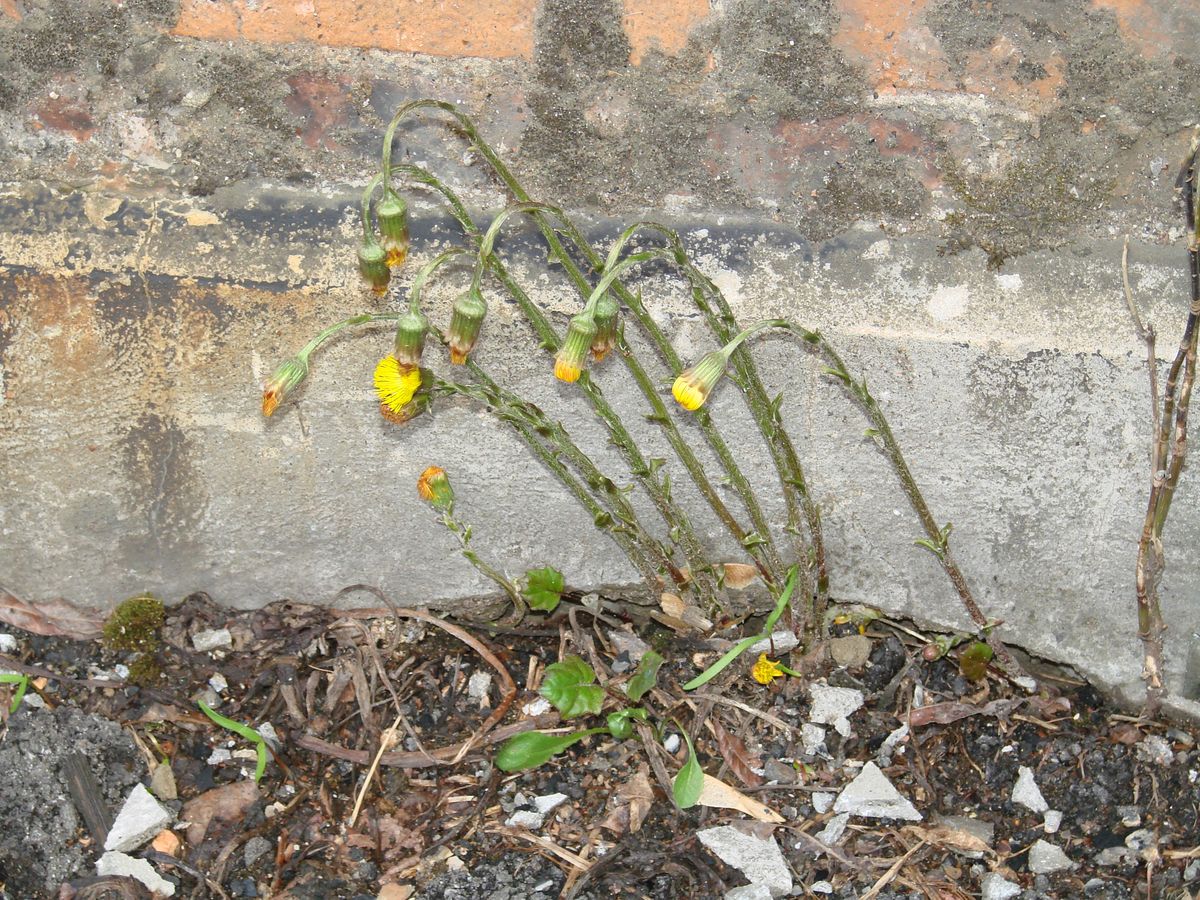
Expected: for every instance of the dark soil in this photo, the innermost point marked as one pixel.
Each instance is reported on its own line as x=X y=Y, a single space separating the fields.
x=333 y=685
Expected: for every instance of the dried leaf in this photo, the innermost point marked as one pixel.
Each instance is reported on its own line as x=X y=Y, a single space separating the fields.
x=228 y=803
x=631 y=803
x=675 y=607
x=952 y=711
x=739 y=575
x=719 y=795
x=53 y=618
x=950 y=838
x=740 y=760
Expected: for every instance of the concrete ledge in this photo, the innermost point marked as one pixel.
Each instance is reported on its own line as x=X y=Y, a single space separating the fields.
x=134 y=335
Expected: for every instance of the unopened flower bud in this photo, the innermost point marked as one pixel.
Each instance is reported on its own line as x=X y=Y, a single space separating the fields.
x=465 y=322
x=434 y=486
x=693 y=385
x=572 y=355
x=286 y=378
x=410 y=338
x=392 y=214
x=607 y=310
x=372 y=265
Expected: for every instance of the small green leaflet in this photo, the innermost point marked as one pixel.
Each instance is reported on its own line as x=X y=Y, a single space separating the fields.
x=688 y=783
x=645 y=677
x=570 y=686
x=620 y=724
x=529 y=750
x=22 y=683
x=973 y=660
x=543 y=588
x=245 y=731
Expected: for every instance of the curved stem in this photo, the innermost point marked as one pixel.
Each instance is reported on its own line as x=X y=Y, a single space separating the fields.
x=426 y=271
x=326 y=333
x=368 y=191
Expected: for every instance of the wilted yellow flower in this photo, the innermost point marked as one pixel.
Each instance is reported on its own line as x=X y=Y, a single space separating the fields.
x=465 y=322
x=392 y=215
x=765 y=670
x=607 y=311
x=693 y=385
x=395 y=384
x=287 y=377
x=434 y=486
x=572 y=355
x=372 y=265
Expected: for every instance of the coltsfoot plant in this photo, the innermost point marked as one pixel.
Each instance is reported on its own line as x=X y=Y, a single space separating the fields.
x=668 y=553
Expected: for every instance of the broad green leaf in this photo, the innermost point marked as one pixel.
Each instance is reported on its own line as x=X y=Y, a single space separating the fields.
x=529 y=750
x=543 y=588
x=645 y=677
x=620 y=723
x=570 y=686
x=245 y=731
x=973 y=660
x=688 y=783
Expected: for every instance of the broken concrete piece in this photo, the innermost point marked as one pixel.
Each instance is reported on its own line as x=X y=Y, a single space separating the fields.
x=116 y=863
x=833 y=706
x=871 y=795
x=212 y=639
x=140 y=819
x=1027 y=793
x=813 y=738
x=162 y=782
x=8 y=643
x=628 y=643
x=761 y=861
x=1155 y=749
x=478 y=687
x=968 y=831
x=822 y=801
x=1045 y=858
x=997 y=888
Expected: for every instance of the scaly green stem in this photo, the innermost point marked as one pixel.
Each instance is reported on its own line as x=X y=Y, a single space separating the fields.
x=463 y=533
x=326 y=333
x=426 y=272
x=368 y=191
x=679 y=526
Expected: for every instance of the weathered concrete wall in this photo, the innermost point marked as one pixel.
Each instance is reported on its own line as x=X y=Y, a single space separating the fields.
x=940 y=186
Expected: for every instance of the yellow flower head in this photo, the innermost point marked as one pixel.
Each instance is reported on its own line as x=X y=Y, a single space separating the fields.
x=693 y=385
x=572 y=355
x=395 y=384
x=765 y=670
x=285 y=379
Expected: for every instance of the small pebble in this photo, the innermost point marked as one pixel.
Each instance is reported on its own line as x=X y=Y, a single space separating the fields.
x=995 y=887
x=218 y=683
x=821 y=887
x=549 y=802
x=1027 y=793
x=671 y=744
x=218 y=756
x=822 y=801
x=212 y=639
x=1140 y=840
x=525 y=818
x=1155 y=749
x=255 y=848
x=1053 y=821
x=1045 y=858
x=478 y=687
x=8 y=643
x=1131 y=816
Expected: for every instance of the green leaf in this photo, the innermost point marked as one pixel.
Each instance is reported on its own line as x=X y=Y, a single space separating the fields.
x=753 y=539
x=22 y=683
x=782 y=602
x=570 y=686
x=602 y=519
x=836 y=373
x=543 y=588
x=620 y=723
x=526 y=751
x=645 y=677
x=936 y=549
x=973 y=661
x=245 y=731
x=688 y=783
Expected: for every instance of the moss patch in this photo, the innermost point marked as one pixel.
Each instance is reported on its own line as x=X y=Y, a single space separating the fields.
x=135 y=625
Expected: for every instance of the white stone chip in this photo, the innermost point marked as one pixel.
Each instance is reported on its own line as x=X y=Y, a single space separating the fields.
x=525 y=818
x=778 y=643
x=212 y=639
x=218 y=756
x=628 y=643
x=1045 y=858
x=813 y=738
x=219 y=683
x=749 y=892
x=822 y=801
x=833 y=706
x=538 y=707
x=140 y=819
x=478 y=687
x=761 y=861
x=821 y=887
x=871 y=795
x=8 y=643
x=547 y=803
x=267 y=732
x=832 y=833
x=1053 y=821
x=116 y=863
x=997 y=888
x=1027 y=793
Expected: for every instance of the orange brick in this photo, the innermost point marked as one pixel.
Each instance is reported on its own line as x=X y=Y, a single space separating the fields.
x=10 y=9
x=660 y=23
x=1151 y=25
x=890 y=40
x=452 y=28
